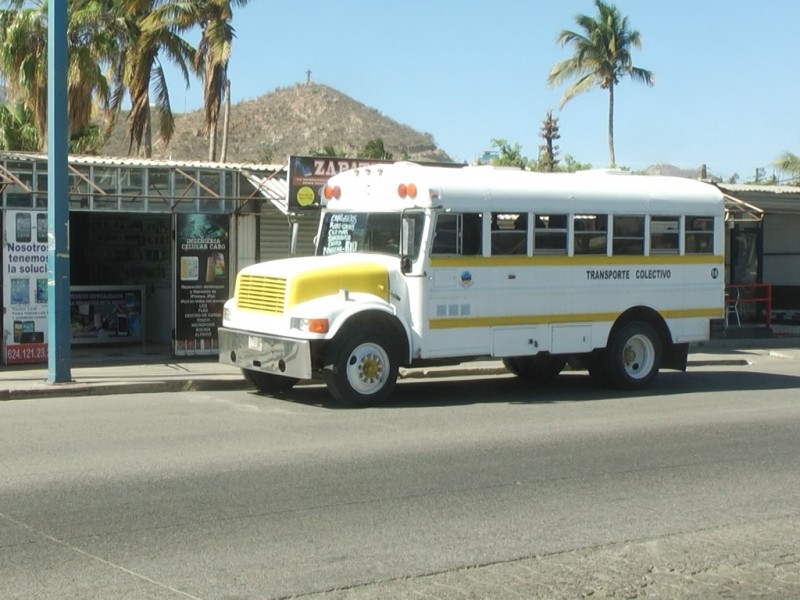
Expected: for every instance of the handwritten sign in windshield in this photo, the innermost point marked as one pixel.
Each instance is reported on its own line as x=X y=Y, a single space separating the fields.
x=343 y=233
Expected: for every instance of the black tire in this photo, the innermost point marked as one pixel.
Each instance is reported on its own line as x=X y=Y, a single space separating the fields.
x=633 y=357
x=539 y=369
x=595 y=363
x=268 y=383
x=361 y=367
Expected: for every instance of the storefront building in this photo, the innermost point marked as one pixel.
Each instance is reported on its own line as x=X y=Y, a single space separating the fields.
x=154 y=249
x=763 y=251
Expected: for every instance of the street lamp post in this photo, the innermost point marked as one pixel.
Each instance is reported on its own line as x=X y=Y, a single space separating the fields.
x=58 y=327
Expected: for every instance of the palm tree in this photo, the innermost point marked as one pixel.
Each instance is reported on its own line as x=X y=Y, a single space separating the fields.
x=376 y=149
x=148 y=30
x=602 y=58
x=23 y=61
x=93 y=46
x=213 y=55
x=127 y=38
x=211 y=59
x=17 y=129
x=789 y=163
x=326 y=151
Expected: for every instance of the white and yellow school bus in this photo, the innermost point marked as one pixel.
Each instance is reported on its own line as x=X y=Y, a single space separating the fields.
x=429 y=265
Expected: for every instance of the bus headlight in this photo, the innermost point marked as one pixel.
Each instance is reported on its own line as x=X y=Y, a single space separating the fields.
x=311 y=325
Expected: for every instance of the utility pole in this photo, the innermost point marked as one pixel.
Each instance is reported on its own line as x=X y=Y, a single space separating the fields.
x=58 y=327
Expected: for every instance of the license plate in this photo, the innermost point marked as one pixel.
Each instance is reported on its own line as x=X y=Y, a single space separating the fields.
x=254 y=343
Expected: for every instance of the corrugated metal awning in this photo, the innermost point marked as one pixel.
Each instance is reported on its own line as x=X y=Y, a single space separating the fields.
x=128 y=161
x=272 y=187
x=740 y=211
x=767 y=199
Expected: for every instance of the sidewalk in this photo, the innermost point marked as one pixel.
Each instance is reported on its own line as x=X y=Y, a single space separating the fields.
x=103 y=371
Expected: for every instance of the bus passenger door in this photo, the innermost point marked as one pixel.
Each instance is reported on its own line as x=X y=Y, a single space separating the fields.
x=453 y=302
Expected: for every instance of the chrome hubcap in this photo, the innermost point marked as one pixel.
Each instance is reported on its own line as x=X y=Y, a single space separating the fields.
x=368 y=368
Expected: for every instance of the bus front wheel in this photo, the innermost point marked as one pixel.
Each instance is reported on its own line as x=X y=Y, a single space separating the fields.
x=633 y=357
x=362 y=368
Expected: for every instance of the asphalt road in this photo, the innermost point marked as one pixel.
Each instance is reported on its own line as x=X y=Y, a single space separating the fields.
x=471 y=488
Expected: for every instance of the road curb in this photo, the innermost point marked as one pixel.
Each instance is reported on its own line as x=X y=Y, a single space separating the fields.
x=71 y=390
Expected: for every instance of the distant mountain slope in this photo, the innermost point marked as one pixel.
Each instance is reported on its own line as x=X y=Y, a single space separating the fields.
x=672 y=171
x=295 y=120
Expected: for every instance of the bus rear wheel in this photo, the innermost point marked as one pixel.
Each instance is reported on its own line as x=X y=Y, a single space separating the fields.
x=362 y=368
x=540 y=369
x=633 y=357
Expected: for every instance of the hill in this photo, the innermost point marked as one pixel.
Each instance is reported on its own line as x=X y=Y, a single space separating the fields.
x=671 y=171
x=297 y=120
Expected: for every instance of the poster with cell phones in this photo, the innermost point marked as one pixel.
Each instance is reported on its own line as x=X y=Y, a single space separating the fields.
x=202 y=256
x=25 y=287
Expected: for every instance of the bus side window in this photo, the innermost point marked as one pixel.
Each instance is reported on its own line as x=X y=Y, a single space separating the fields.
x=591 y=234
x=471 y=234
x=550 y=234
x=445 y=234
x=458 y=234
x=628 y=235
x=699 y=235
x=664 y=232
x=509 y=234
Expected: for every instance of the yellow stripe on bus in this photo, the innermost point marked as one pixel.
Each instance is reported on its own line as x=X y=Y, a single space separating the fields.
x=499 y=321
x=575 y=261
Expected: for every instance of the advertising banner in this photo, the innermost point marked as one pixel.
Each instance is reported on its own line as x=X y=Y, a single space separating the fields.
x=25 y=287
x=103 y=314
x=309 y=174
x=202 y=257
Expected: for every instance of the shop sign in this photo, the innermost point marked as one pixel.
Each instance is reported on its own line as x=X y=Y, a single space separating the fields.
x=202 y=281
x=309 y=174
x=25 y=287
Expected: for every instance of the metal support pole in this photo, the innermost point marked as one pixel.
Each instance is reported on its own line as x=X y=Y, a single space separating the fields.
x=58 y=326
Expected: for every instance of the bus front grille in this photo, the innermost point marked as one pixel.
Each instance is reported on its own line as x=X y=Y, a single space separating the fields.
x=264 y=294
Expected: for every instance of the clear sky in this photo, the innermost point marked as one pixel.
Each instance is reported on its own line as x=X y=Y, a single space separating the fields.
x=466 y=71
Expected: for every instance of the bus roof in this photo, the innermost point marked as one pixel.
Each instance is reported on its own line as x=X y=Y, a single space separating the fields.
x=388 y=187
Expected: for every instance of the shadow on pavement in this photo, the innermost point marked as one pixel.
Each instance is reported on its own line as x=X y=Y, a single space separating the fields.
x=568 y=387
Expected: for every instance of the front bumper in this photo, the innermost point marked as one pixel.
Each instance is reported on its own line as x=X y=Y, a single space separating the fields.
x=267 y=353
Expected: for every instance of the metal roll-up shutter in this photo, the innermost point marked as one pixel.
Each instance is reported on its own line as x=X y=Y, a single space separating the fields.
x=308 y=223
x=276 y=231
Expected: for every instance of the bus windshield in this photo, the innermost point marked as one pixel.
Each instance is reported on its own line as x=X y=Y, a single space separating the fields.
x=377 y=233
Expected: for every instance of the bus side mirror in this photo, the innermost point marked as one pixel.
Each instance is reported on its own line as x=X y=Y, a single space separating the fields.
x=407 y=239
x=405 y=265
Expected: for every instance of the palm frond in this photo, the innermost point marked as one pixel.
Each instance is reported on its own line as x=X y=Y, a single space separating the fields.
x=583 y=85
x=789 y=163
x=166 y=120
